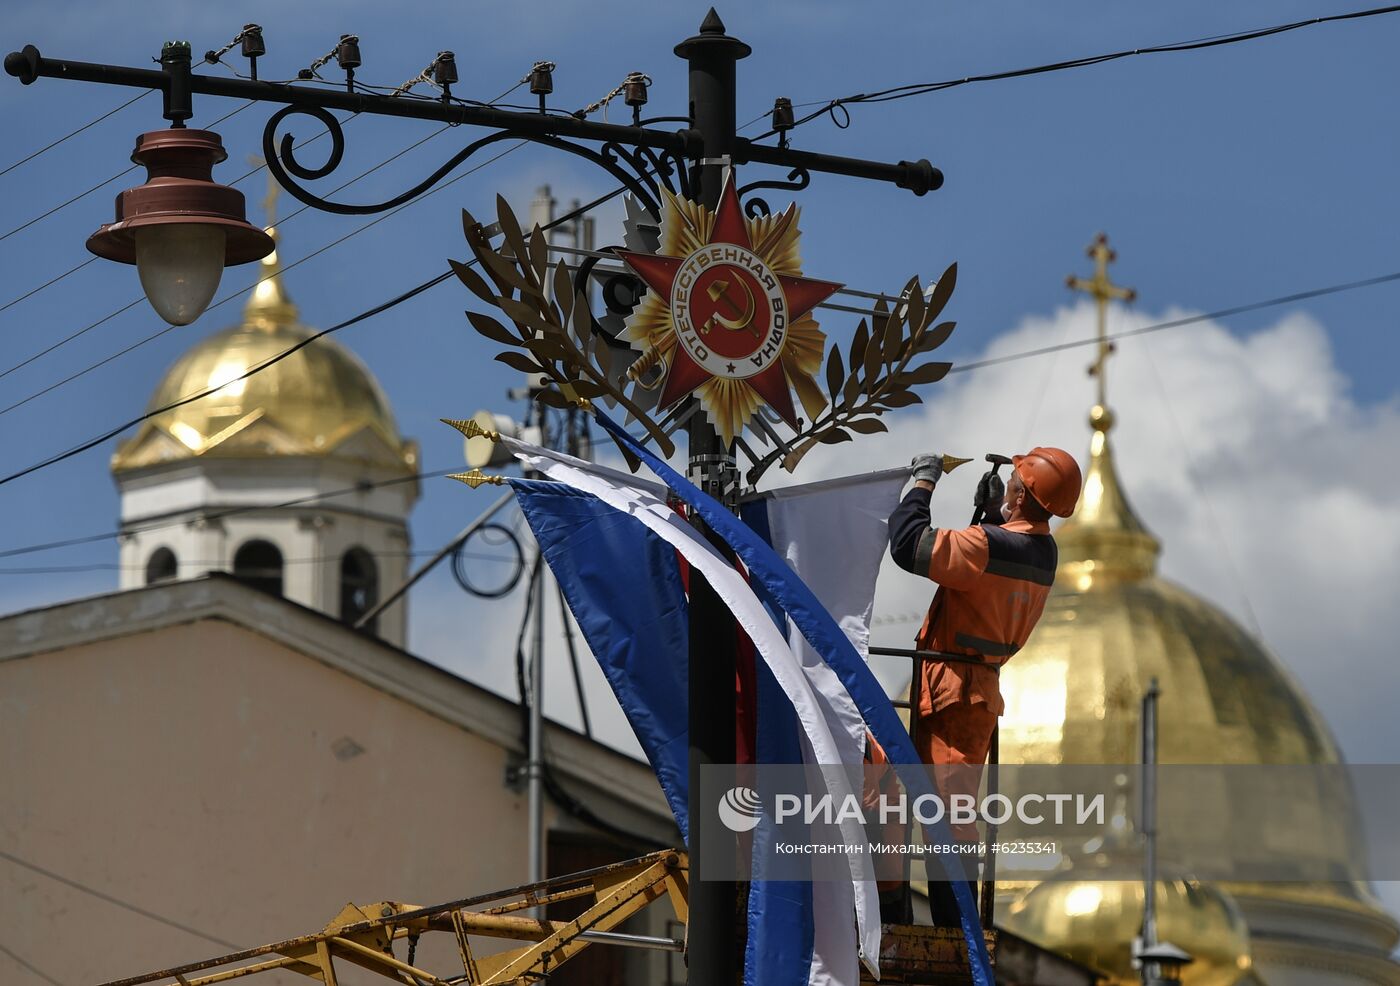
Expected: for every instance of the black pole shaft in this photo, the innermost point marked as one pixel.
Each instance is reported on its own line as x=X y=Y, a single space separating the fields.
x=712 y=935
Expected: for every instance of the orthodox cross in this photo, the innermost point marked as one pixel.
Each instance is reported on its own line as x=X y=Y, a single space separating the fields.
x=269 y=202
x=1103 y=291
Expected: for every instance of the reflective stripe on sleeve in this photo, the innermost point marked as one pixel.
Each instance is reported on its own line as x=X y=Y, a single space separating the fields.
x=923 y=551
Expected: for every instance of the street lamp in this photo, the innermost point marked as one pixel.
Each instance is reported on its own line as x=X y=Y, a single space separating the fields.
x=181 y=228
x=1162 y=964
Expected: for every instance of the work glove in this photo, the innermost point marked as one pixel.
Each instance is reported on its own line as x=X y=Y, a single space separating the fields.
x=990 y=492
x=927 y=468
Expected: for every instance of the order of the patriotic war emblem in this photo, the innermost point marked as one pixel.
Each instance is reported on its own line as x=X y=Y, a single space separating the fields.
x=724 y=314
x=728 y=314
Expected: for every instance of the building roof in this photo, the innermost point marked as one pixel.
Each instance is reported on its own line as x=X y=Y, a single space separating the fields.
x=217 y=596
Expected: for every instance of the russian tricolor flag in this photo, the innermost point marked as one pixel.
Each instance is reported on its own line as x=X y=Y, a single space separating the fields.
x=616 y=548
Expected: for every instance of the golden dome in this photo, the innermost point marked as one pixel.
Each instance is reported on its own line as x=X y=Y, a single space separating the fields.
x=319 y=401
x=1073 y=696
x=1095 y=921
x=1112 y=624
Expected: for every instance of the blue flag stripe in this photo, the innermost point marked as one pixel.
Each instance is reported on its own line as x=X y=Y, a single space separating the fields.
x=826 y=637
x=623 y=585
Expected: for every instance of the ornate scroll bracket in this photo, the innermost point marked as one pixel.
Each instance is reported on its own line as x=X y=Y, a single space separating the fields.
x=643 y=171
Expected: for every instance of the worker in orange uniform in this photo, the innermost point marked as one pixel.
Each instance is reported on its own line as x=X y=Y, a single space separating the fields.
x=993 y=580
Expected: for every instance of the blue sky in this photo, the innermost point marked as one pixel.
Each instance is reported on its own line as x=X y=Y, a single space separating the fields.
x=1223 y=177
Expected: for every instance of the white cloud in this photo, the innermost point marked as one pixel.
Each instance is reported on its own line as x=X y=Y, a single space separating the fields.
x=1268 y=485
x=1270 y=488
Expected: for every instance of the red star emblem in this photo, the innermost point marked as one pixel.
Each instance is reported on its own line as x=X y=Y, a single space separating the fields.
x=730 y=310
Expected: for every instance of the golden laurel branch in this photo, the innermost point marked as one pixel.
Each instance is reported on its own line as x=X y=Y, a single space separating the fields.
x=552 y=336
x=553 y=332
x=878 y=373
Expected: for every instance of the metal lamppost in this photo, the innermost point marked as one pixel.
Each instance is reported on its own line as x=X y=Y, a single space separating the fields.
x=713 y=955
x=1161 y=962
x=691 y=161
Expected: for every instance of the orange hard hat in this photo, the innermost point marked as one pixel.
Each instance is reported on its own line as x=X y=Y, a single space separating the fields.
x=1051 y=476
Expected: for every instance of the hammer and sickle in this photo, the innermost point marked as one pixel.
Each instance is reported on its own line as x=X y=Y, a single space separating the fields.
x=741 y=315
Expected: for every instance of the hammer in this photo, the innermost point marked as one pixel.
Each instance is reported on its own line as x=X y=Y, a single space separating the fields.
x=997 y=461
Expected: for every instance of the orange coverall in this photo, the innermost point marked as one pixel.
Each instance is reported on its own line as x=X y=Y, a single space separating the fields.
x=993 y=582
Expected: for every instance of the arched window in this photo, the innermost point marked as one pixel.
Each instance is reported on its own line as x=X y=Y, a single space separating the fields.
x=161 y=566
x=259 y=563
x=359 y=587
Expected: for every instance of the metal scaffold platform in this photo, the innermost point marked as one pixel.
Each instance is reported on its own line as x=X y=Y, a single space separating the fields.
x=915 y=954
x=383 y=937
x=367 y=935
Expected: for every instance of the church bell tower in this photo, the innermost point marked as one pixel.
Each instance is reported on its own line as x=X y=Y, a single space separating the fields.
x=293 y=478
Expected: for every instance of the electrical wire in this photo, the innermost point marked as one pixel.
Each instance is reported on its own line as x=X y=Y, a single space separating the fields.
x=119 y=902
x=49 y=283
x=86 y=370
x=25 y=964
x=831 y=106
x=74 y=270
x=1179 y=322
x=229 y=512
x=91 y=123
x=88 y=328
x=1214 y=41
x=190 y=398
x=67 y=202
x=1200 y=496
x=137 y=300
x=233 y=294
x=411 y=293
x=61 y=205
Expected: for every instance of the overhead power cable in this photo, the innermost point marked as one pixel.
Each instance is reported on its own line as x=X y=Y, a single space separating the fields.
x=228 y=297
x=91 y=123
x=1216 y=41
x=241 y=178
x=119 y=174
x=958 y=368
x=137 y=300
x=191 y=398
x=124 y=904
x=1179 y=322
x=412 y=292
x=31 y=967
x=131 y=304
x=228 y=512
x=47 y=284
x=434 y=281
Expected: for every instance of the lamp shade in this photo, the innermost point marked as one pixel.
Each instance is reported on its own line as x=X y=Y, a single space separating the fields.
x=168 y=226
x=180 y=265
